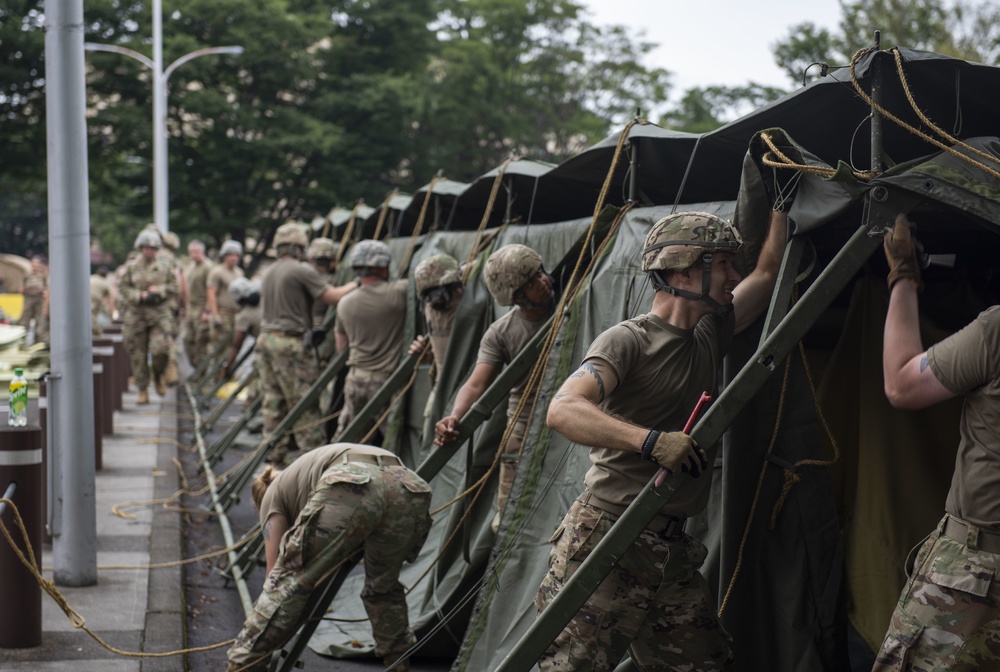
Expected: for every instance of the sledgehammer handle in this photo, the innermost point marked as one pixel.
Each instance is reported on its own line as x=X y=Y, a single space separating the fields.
x=702 y=400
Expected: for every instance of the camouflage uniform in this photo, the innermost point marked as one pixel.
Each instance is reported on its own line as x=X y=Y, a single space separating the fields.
x=148 y=325
x=356 y=504
x=34 y=287
x=196 y=329
x=287 y=371
x=100 y=292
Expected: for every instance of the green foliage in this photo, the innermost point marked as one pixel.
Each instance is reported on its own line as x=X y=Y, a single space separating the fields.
x=704 y=109
x=962 y=29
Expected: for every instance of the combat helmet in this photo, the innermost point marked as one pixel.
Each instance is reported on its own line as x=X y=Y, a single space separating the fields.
x=508 y=269
x=321 y=248
x=290 y=233
x=436 y=271
x=148 y=238
x=171 y=241
x=244 y=291
x=680 y=240
x=231 y=247
x=370 y=254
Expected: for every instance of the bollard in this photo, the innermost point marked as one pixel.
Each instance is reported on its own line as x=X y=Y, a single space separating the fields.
x=98 y=380
x=105 y=356
x=119 y=365
x=20 y=594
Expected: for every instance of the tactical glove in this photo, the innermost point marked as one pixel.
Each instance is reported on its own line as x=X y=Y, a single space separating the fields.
x=674 y=451
x=901 y=250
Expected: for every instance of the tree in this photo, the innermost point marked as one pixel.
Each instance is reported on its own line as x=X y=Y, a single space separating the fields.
x=960 y=29
x=704 y=109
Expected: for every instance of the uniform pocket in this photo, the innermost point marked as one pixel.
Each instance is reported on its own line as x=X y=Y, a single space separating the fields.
x=345 y=473
x=574 y=540
x=899 y=644
x=962 y=574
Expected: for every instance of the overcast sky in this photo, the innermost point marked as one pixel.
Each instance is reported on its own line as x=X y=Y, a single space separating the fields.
x=706 y=42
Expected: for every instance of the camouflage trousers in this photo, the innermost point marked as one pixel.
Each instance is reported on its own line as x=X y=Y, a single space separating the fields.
x=948 y=615
x=509 y=459
x=33 y=310
x=221 y=331
x=356 y=506
x=359 y=387
x=287 y=370
x=195 y=337
x=147 y=336
x=655 y=604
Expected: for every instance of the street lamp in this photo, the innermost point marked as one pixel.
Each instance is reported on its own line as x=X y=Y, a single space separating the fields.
x=161 y=212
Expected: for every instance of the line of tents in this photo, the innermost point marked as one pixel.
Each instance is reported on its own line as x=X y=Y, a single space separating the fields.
x=841 y=486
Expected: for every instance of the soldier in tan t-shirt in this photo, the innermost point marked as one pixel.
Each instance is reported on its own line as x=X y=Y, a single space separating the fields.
x=948 y=616
x=220 y=306
x=370 y=323
x=515 y=275
x=327 y=506
x=196 y=326
x=636 y=388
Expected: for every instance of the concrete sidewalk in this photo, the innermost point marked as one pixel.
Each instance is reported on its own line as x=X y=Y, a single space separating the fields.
x=132 y=607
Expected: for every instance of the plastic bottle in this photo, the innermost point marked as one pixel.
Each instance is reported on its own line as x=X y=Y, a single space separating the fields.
x=18 y=400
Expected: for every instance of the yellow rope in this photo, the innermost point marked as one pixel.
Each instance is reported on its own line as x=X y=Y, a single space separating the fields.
x=382 y=215
x=474 y=249
x=74 y=616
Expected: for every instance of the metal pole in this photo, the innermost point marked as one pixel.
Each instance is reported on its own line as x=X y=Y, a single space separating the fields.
x=74 y=550
x=161 y=212
x=877 y=99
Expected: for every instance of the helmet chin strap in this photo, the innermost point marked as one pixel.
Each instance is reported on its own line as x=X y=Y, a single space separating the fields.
x=706 y=286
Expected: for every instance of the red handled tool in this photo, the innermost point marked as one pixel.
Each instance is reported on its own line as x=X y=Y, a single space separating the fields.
x=704 y=399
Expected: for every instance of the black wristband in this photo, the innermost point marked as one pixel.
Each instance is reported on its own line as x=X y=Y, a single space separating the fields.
x=647 y=445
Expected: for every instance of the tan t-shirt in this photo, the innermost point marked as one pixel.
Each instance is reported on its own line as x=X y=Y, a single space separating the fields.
x=287 y=294
x=502 y=342
x=968 y=363
x=290 y=491
x=440 y=323
x=219 y=278
x=320 y=308
x=248 y=320
x=372 y=317
x=662 y=371
x=197 y=284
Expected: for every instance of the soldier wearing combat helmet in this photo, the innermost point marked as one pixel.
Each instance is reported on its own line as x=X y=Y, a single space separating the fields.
x=286 y=365
x=637 y=386
x=147 y=286
x=370 y=323
x=438 y=281
x=220 y=307
x=515 y=275
x=322 y=254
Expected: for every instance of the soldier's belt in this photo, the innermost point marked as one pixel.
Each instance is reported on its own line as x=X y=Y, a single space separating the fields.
x=663 y=525
x=380 y=460
x=958 y=530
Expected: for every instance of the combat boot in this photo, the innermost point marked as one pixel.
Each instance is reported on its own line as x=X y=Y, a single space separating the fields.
x=402 y=664
x=170 y=375
x=143 y=397
x=161 y=387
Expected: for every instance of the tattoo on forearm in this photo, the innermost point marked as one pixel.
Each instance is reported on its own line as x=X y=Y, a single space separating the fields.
x=595 y=370
x=923 y=364
x=267 y=531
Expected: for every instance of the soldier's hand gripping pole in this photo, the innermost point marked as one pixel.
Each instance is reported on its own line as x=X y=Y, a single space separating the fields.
x=702 y=400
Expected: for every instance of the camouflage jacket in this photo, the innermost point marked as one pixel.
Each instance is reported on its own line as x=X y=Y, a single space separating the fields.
x=140 y=275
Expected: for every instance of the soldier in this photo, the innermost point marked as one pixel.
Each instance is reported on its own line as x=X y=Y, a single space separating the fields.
x=221 y=309
x=246 y=294
x=287 y=368
x=147 y=286
x=947 y=614
x=196 y=330
x=370 y=322
x=322 y=254
x=317 y=513
x=637 y=385
x=102 y=301
x=168 y=251
x=35 y=289
x=514 y=275
x=439 y=285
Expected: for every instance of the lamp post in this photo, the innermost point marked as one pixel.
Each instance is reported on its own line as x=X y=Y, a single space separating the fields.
x=161 y=213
